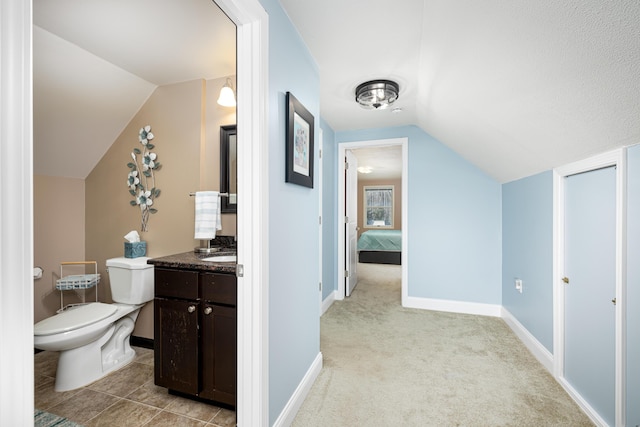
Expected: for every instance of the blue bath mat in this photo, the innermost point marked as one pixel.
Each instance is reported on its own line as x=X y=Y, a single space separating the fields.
x=45 y=419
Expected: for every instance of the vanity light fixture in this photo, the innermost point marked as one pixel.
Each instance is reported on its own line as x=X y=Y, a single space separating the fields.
x=377 y=94
x=227 y=98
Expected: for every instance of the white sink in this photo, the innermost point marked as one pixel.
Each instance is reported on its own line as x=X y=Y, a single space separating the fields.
x=221 y=258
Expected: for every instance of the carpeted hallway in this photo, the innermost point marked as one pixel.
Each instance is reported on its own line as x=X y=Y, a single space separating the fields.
x=385 y=365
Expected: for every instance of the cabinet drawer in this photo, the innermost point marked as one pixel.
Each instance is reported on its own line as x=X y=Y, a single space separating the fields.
x=219 y=288
x=176 y=283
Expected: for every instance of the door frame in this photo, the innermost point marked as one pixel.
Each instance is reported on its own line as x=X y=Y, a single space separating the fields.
x=617 y=158
x=342 y=148
x=16 y=210
x=320 y=216
x=16 y=213
x=252 y=30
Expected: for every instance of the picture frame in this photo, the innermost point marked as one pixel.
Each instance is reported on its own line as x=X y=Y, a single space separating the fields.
x=299 y=143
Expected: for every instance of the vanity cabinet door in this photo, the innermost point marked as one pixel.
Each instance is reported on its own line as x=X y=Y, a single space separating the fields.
x=219 y=350
x=176 y=346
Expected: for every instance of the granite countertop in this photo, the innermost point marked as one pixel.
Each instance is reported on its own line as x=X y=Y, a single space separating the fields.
x=193 y=261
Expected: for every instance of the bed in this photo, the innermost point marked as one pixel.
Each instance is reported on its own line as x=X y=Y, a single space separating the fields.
x=380 y=247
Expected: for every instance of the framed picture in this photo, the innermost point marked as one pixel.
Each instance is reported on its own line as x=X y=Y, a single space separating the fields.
x=299 y=169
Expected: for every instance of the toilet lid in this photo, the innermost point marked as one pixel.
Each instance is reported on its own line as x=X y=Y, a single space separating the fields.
x=74 y=318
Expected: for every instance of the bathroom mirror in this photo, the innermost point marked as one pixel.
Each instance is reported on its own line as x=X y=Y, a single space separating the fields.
x=228 y=168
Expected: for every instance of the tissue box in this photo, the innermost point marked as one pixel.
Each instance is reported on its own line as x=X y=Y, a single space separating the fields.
x=135 y=249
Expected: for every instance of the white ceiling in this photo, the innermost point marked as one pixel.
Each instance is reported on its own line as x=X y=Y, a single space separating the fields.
x=96 y=62
x=516 y=87
x=384 y=162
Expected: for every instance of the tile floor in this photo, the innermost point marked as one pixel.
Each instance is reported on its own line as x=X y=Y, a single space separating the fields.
x=127 y=397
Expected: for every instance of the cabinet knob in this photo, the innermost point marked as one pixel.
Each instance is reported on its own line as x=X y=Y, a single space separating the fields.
x=208 y=310
x=191 y=308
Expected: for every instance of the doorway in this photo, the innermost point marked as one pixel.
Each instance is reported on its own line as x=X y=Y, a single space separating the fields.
x=252 y=42
x=589 y=284
x=345 y=244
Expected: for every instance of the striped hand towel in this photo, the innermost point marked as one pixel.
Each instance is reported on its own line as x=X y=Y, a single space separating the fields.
x=207 y=215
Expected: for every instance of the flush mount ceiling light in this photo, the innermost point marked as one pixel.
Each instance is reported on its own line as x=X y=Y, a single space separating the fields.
x=377 y=94
x=227 y=98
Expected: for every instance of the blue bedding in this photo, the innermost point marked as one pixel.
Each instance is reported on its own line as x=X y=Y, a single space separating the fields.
x=380 y=240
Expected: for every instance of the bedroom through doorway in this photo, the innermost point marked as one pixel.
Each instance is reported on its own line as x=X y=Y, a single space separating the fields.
x=372 y=196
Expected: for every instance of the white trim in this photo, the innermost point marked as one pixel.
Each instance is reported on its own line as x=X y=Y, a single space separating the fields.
x=451 y=306
x=290 y=410
x=328 y=301
x=253 y=216
x=586 y=408
x=405 y=221
x=16 y=214
x=612 y=158
x=558 y=293
x=320 y=216
x=540 y=352
x=342 y=148
x=621 y=289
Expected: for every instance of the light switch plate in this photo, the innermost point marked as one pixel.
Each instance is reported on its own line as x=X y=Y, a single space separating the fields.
x=519 y=285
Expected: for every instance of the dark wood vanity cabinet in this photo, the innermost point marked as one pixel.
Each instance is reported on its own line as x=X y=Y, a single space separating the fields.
x=195 y=333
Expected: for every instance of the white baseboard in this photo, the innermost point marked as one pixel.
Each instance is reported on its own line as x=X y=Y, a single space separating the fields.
x=545 y=357
x=326 y=303
x=450 y=306
x=295 y=402
x=540 y=352
x=586 y=408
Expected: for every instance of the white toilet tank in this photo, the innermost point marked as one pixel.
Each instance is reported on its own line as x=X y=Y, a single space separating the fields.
x=131 y=280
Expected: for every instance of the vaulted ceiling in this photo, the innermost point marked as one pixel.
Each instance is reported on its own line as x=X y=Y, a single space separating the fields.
x=516 y=87
x=96 y=62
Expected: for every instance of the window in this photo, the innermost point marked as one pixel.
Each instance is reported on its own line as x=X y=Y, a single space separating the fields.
x=378 y=206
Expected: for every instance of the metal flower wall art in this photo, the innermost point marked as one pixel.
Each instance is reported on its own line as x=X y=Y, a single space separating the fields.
x=142 y=179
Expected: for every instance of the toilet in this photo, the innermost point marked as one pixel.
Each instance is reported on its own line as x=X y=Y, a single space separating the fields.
x=93 y=338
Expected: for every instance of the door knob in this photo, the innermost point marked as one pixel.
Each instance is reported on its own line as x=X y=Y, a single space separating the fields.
x=191 y=309
x=208 y=310
x=614 y=301
x=565 y=279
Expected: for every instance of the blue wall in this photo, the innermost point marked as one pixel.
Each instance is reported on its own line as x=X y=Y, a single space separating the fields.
x=527 y=253
x=464 y=244
x=294 y=309
x=633 y=286
x=454 y=215
x=329 y=212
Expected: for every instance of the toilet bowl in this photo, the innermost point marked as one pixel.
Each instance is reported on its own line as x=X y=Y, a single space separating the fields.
x=93 y=339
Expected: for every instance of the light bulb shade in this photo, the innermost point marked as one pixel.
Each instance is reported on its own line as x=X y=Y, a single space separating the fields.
x=227 y=98
x=377 y=94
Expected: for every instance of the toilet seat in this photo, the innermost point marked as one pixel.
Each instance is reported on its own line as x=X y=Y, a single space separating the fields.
x=74 y=318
